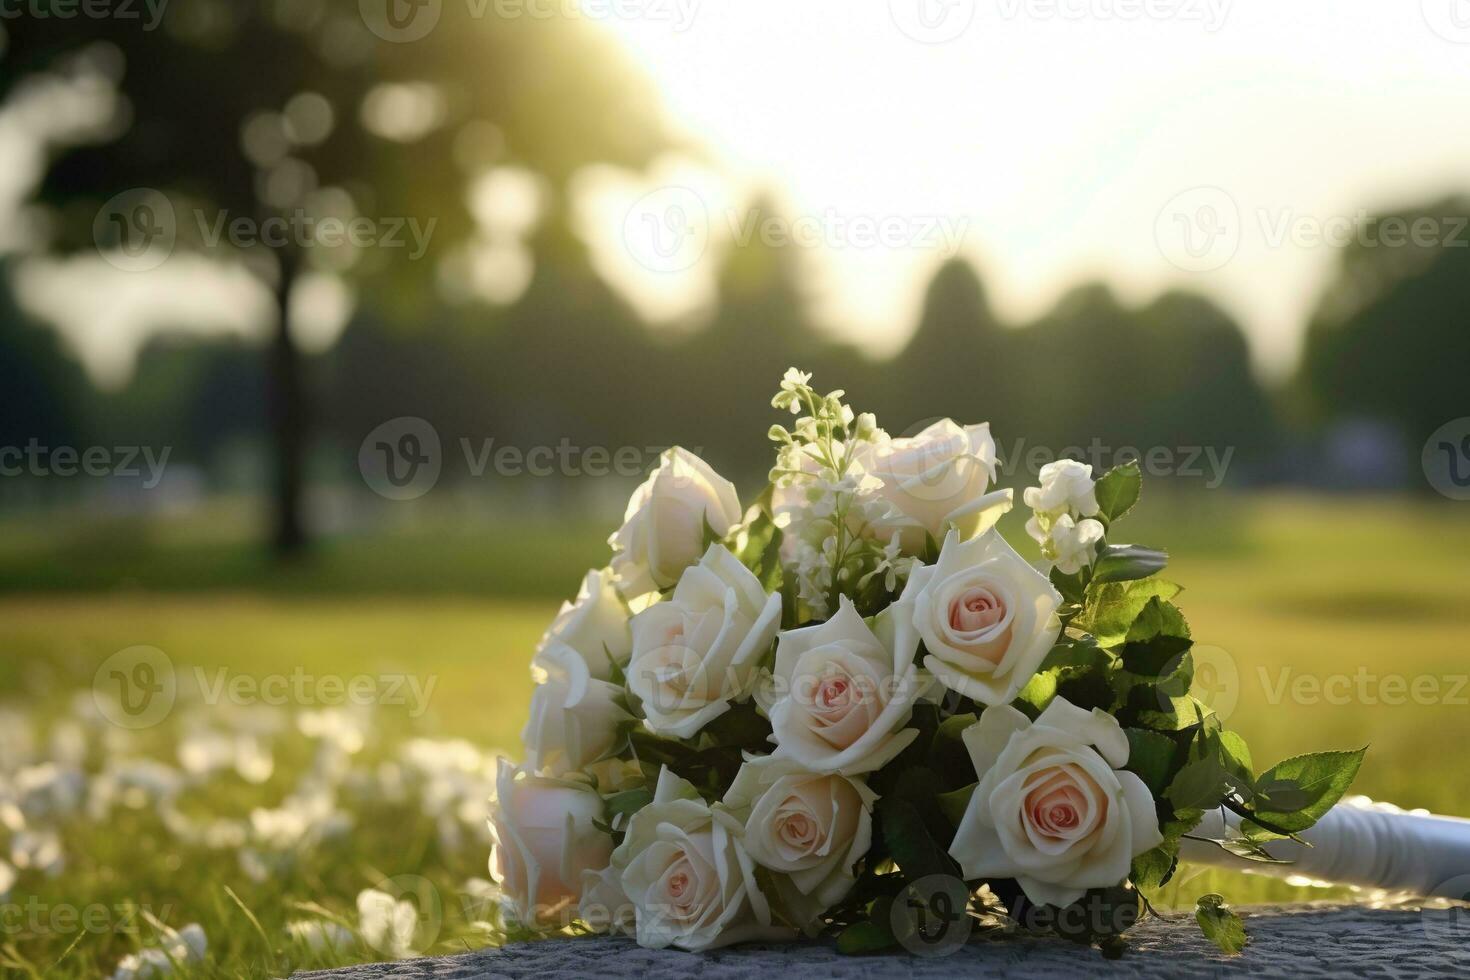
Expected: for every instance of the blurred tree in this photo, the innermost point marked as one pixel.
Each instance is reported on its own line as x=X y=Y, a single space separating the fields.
x=1391 y=337
x=253 y=121
x=728 y=370
x=960 y=349
x=1204 y=391
x=40 y=384
x=1176 y=374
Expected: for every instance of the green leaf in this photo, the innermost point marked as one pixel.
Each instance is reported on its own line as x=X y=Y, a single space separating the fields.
x=1293 y=795
x=627 y=803
x=1127 y=562
x=1236 y=755
x=1201 y=784
x=760 y=551
x=954 y=804
x=1244 y=847
x=742 y=726
x=1038 y=692
x=1151 y=757
x=1113 y=606
x=865 y=937
x=1220 y=924
x=1156 y=639
x=1118 y=490
x=1071 y=586
x=931 y=549
x=1152 y=868
x=1083 y=652
x=909 y=842
x=947 y=752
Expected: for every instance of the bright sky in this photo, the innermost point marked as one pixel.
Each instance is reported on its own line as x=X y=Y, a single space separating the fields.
x=1061 y=140
x=1148 y=143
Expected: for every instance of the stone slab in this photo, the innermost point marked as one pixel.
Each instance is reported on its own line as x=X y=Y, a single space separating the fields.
x=1302 y=941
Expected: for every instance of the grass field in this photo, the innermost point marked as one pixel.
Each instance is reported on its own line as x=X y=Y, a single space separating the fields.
x=261 y=805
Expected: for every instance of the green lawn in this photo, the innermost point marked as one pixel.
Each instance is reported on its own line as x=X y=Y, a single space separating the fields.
x=1327 y=623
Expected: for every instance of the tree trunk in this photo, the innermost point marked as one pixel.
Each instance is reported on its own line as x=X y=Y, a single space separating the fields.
x=289 y=422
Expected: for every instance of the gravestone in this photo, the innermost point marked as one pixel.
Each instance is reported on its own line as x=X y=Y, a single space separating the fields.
x=1301 y=941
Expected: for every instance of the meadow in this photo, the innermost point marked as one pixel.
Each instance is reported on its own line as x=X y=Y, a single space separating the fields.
x=299 y=828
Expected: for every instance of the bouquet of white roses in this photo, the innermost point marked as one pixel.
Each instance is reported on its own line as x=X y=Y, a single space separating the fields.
x=853 y=709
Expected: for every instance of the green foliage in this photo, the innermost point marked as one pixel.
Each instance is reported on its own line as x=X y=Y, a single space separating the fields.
x=909 y=842
x=1152 y=757
x=1126 y=562
x=954 y=803
x=1220 y=924
x=1112 y=607
x=865 y=937
x=1117 y=491
x=1294 y=794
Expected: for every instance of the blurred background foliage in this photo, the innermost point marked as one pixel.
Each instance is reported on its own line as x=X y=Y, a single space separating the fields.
x=245 y=109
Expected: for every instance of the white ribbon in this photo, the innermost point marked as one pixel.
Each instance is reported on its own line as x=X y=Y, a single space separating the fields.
x=1358 y=842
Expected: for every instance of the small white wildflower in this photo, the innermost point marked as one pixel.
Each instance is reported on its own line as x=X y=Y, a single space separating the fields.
x=319 y=935
x=387 y=924
x=1071 y=546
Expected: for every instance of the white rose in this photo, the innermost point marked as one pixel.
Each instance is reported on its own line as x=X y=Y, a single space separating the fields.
x=699 y=650
x=595 y=625
x=1066 y=487
x=663 y=529
x=809 y=828
x=690 y=880
x=544 y=839
x=1072 y=545
x=986 y=617
x=575 y=718
x=844 y=691
x=934 y=481
x=1053 y=808
x=605 y=907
